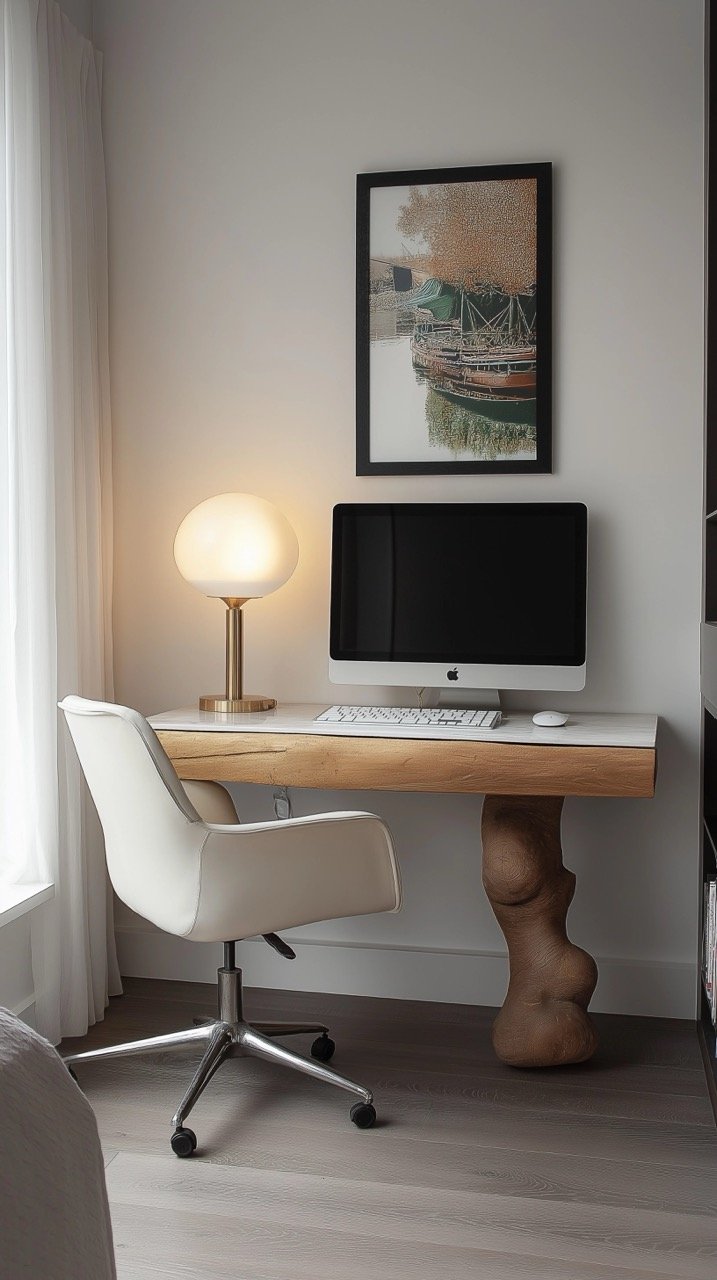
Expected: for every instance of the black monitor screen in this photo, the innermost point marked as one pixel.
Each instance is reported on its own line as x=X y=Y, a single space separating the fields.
x=459 y=582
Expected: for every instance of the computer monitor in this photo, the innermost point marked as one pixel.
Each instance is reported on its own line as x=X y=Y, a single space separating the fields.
x=475 y=595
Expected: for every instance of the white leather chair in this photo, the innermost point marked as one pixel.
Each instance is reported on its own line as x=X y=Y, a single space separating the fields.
x=177 y=855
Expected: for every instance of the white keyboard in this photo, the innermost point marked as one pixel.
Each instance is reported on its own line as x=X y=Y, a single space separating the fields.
x=410 y=717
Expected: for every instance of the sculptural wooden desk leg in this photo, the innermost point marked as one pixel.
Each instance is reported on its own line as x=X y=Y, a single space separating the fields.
x=543 y=1022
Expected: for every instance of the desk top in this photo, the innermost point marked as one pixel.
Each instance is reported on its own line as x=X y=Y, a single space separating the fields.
x=592 y=755
x=583 y=729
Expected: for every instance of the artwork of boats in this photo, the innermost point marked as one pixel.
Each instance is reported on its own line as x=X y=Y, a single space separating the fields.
x=477 y=349
x=453 y=313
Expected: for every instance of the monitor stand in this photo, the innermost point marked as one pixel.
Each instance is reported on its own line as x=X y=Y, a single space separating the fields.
x=467 y=699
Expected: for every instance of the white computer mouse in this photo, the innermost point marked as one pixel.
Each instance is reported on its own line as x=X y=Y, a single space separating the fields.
x=550 y=719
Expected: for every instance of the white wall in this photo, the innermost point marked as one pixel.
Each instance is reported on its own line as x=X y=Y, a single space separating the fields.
x=233 y=134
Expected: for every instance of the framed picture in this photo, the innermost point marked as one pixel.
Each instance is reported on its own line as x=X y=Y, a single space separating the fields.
x=453 y=321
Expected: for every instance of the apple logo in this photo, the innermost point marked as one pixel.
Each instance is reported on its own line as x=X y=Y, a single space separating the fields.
x=452 y=675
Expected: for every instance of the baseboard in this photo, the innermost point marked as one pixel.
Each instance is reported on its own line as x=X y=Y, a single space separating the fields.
x=25 y=1010
x=648 y=988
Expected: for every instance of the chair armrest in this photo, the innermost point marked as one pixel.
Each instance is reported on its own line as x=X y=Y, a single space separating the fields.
x=266 y=876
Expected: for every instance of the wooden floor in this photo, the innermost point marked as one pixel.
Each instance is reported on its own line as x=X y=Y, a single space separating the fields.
x=602 y=1172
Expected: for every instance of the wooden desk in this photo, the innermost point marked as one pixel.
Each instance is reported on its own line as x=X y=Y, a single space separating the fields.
x=524 y=773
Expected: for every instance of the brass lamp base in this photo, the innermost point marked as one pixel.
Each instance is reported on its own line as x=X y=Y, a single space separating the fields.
x=234 y=700
x=250 y=702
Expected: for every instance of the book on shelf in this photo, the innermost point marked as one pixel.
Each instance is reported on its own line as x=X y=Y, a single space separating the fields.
x=709 y=946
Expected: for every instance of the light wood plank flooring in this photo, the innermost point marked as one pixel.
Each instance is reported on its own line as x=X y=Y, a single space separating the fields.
x=606 y=1171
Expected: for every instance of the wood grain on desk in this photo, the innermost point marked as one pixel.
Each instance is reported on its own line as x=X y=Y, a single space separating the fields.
x=400 y=764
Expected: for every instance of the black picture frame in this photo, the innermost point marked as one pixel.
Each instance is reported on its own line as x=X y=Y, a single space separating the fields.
x=477 y=400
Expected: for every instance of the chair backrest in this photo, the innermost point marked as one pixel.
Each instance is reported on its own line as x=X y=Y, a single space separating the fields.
x=153 y=834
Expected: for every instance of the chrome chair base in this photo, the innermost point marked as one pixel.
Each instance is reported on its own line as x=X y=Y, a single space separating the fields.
x=228 y=1036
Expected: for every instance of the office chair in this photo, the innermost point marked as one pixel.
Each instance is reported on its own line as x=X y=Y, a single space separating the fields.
x=210 y=879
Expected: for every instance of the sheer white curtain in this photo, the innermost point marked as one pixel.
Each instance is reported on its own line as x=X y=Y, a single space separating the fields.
x=55 y=496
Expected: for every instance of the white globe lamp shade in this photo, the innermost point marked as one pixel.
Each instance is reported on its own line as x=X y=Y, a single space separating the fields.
x=236 y=546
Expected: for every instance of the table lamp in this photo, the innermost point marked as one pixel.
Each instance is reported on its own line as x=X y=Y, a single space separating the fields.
x=236 y=547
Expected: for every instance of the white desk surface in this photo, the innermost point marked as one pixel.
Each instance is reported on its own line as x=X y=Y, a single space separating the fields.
x=583 y=729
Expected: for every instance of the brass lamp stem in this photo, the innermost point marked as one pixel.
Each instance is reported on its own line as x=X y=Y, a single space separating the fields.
x=235 y=650
x=234 y=700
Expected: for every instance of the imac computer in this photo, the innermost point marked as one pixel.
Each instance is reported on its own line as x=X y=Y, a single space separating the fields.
x=460 y=596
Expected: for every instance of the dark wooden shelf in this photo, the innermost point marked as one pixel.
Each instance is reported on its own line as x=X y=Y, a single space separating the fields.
x=706 y=1031
x=710 y=848
x=708 y=1044
x=708 y=1027
x=708 y=853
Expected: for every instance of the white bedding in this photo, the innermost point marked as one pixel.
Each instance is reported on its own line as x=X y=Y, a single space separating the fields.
x=54 y=1216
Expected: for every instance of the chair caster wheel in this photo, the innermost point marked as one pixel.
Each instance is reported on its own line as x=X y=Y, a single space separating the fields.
x=363 y=1115
x=323 y=1048
x=184 y=1142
